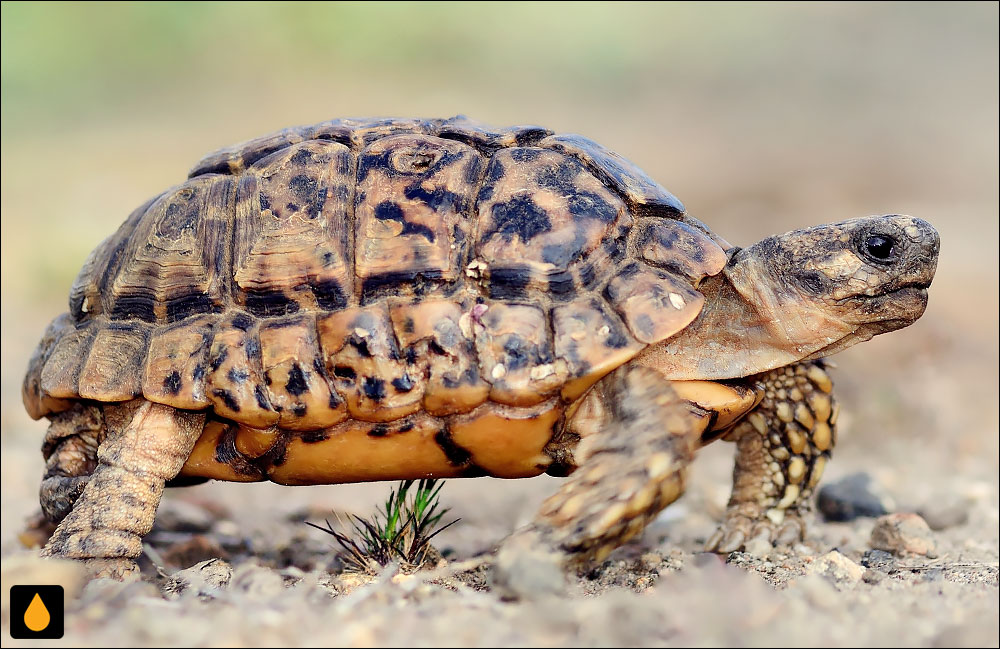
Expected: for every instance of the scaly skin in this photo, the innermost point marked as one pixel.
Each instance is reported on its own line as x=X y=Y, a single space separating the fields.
x=70 y=452
x=631 y=468
x=782 y=449
x=117 y=507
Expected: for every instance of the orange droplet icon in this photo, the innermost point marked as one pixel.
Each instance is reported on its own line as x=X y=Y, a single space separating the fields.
x=36 y=617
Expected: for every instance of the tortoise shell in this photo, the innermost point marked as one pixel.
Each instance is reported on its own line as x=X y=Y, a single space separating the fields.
x=429 y=281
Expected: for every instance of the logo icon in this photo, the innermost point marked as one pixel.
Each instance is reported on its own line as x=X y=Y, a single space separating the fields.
x=36 y=612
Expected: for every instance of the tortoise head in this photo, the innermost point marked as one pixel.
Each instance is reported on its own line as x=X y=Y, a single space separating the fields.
x=805 y=294
x=825 y=288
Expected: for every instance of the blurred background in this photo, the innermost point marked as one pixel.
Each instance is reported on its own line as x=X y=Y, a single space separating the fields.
x=760 y=117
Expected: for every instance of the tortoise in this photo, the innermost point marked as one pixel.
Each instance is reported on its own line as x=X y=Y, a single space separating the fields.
x=373 y=299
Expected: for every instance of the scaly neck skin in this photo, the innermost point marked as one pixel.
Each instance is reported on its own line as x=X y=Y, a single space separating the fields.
x=752 y=322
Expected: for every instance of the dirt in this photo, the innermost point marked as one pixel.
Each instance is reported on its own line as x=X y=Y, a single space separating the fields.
x=283 y=586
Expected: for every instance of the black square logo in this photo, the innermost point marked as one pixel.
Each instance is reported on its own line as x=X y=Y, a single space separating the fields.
x=36 y=612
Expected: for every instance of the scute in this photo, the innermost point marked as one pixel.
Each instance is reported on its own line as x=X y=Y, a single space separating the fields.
x=361 y=354
x=654 y=304
x=235 y=159
x=438 y=336
x=113 y=370
x=592 y=341
x=37 y=402
x=412 y=218
x=236 y=375
x=292 y=248
x=488 y=138
x=360 y=132
x=643 y=193
x=60 y=375
x=177 y=364
x=87 y=295
x=540 y=213
x=516 y=354
x=296 y=379
x=681 y=248
x=171 y=264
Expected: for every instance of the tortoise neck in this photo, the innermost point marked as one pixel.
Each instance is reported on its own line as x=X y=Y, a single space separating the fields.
x=752 y=322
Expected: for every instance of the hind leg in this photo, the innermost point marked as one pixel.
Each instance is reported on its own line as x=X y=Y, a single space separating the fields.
x=782 y=449
x=70 y=452
x=631 y=465
x=144 y=445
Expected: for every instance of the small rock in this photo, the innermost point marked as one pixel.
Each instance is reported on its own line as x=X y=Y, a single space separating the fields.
x=853 y=496
x=879 y=560
x=651 y=560
x=872 y=576
x=256 y=582
x=945 y=512
x=205 y=579
x=934 y=574
x=903 y=534
x=836 y=566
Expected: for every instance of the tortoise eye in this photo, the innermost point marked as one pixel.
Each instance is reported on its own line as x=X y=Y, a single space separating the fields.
x=879 y=248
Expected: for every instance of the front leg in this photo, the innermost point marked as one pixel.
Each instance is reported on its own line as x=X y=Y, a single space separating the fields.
x=632 y=464
x=782 y=449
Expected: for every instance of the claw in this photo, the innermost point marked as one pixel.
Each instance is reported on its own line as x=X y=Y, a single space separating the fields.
x=713 y=541
x=732 y=542
x=789 y=533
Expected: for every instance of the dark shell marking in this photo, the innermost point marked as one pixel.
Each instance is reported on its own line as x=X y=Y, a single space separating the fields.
x=378 y=271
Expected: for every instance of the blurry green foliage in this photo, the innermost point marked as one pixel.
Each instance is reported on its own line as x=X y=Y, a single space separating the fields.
x=57 y=55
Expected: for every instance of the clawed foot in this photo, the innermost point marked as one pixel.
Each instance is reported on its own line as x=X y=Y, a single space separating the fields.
x=756 y=535
x=528 y=568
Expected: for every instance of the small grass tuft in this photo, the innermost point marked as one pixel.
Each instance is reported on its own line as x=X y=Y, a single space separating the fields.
x=400 y=531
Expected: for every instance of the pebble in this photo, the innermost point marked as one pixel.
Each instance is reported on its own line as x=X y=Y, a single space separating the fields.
x=837 y=567
x=853 y=496
x=256 y=582
x=879 y=560
x=872 y=576
x=206 y=579
x=903 y=534
x=945 y=512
